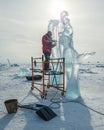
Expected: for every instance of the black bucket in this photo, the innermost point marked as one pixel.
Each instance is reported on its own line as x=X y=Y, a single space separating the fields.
x=11 y=105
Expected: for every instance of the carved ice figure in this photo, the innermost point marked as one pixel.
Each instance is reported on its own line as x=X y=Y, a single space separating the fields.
x=63 y=33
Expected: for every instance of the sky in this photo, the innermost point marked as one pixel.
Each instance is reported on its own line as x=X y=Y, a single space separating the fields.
x=23 y=22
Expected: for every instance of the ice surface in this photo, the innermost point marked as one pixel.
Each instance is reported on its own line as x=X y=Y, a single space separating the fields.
x=70 y=115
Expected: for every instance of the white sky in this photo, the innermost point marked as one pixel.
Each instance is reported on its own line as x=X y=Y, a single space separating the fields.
x=23 y=22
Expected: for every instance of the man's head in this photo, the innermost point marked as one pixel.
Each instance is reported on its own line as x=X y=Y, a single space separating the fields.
x=49 y=33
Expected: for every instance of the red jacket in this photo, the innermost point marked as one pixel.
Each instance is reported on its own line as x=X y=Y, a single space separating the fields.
x=47 y=44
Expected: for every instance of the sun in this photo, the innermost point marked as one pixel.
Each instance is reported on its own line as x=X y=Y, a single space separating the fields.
x=57 y=6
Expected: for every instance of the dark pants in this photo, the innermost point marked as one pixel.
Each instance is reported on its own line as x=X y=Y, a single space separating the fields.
x=47 y=58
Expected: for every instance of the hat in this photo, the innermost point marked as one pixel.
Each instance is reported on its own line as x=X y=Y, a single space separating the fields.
x=49 y=33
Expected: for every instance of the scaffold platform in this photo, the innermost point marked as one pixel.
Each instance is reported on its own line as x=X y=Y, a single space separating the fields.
x=55 y=77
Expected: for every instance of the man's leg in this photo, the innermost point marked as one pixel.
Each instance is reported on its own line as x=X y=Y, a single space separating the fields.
x=47 y=58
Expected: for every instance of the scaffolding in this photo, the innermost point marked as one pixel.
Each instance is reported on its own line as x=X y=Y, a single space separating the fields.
x=54 y=77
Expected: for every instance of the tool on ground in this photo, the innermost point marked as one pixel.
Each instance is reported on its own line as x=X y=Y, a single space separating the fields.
x=42 y=111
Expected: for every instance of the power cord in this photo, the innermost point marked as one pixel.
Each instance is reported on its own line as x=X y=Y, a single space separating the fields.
x=90 y=108
x=57 y=102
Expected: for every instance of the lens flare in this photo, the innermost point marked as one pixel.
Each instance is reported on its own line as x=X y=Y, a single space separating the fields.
x=57 y=7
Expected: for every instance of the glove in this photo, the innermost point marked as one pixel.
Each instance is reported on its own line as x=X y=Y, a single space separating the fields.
x=54 y=41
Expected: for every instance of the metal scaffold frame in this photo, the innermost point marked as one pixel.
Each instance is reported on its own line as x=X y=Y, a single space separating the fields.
x=52 y=78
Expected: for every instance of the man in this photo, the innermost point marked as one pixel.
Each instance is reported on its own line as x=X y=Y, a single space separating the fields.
x=47 y=47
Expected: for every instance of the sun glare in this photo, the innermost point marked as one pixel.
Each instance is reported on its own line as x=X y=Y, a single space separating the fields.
x=56 y=7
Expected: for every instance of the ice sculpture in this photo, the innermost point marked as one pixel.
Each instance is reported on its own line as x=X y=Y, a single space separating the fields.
x=63 y=32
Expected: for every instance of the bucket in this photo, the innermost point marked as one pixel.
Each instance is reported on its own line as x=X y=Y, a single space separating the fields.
x=11 y=105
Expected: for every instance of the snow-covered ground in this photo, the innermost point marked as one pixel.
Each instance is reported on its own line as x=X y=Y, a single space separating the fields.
x=70 y=115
